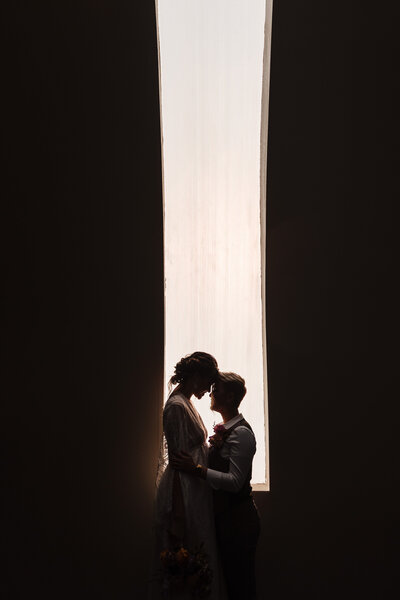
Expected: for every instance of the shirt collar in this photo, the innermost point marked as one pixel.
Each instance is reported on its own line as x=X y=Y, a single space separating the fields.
x=232 y=422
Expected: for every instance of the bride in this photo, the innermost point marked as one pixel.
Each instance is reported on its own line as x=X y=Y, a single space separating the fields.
x=184 y=515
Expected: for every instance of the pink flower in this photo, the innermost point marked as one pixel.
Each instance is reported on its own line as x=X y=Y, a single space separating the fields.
x=219 y=436
x=219 y=428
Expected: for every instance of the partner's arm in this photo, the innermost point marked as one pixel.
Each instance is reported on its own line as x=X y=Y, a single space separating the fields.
x=183 y=461
x=242 y=446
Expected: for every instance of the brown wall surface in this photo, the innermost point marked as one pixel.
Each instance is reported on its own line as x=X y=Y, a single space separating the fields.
x=83 y=320
x=328 y=522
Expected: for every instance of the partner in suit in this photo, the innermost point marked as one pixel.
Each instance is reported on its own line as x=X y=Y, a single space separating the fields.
x=232 y=448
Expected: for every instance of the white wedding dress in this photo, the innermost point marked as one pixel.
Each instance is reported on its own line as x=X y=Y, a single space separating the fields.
x=184 y=430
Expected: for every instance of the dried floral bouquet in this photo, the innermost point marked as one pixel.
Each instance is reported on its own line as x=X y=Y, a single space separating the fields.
x=182 y=570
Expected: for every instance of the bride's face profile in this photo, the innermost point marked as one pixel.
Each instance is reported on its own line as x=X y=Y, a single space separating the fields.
x=201 y=386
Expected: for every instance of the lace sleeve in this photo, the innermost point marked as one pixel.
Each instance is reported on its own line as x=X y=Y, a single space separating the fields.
x=176 y=428
x=183 y=431
x=175 y=435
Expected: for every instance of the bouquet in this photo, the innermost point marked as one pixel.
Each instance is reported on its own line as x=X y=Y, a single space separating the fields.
x=182 y=569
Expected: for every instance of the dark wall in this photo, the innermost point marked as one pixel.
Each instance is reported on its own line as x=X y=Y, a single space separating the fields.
x=83 y=332
x=329 y=518
x=84 y=316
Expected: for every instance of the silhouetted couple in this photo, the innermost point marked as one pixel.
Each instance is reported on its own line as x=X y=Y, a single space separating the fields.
x=206 y=522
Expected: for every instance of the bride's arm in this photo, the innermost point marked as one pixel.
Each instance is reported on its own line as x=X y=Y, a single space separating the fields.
x=174 y=431
x=175 y=427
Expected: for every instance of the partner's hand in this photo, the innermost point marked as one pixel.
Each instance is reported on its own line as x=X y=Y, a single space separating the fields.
x=182 y=461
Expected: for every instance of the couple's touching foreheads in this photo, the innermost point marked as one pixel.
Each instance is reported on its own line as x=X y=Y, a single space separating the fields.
x=207 y=525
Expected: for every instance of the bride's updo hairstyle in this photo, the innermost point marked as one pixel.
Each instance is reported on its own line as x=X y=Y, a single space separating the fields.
x=198 y=363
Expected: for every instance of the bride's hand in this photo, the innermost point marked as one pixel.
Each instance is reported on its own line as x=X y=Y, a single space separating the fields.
x=182 y=461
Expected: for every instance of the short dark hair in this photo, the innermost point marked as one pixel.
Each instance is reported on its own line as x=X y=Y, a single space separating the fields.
x=234 y=384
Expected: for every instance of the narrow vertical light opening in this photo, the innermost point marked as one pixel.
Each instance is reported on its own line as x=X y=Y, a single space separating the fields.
x=214 y=79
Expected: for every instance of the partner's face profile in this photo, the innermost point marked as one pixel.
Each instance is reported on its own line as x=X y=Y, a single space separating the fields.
x=216 y=396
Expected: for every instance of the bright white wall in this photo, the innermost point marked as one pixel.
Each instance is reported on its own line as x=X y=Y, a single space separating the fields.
x=211 y=65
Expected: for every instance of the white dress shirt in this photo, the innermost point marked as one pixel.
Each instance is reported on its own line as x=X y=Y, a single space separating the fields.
x=239 y=448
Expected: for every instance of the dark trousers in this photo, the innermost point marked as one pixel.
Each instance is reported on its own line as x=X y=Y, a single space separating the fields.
x=238 y=530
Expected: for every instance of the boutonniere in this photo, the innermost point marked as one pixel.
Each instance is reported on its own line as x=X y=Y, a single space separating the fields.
x=220 y=434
